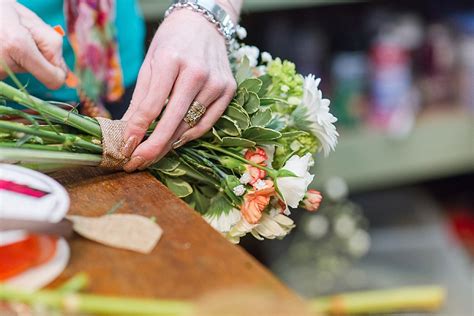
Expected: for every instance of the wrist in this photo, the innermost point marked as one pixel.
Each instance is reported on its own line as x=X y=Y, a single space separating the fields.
x=232 y=7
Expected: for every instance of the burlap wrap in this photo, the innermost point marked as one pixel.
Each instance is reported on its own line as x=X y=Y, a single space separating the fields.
x=112 y=143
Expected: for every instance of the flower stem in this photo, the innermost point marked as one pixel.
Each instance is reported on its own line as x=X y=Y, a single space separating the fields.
x=62 y=138
x=75 y=120
x=14 y=155
x=271 y=172
x=96 y=304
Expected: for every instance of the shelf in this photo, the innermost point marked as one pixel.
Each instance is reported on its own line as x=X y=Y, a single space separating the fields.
x=153 y=9
x=442 y=144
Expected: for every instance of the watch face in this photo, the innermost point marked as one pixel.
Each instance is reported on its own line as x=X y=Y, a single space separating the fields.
x=29 y=195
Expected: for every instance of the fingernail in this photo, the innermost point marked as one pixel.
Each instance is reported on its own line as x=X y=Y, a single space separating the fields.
x=134 y=163
x=180 y=142
x=129 y=146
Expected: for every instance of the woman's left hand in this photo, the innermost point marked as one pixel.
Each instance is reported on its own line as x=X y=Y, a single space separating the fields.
x=187 y=61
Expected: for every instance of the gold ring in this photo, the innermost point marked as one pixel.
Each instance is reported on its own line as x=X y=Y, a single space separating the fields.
x=194 y=114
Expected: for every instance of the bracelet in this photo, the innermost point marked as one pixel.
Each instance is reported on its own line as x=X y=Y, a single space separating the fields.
x=213 y=13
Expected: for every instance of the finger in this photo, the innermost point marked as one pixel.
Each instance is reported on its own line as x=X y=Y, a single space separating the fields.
x=211 y=116
x=212 y=91
x=160 y=84
x=141 y=88
x=48 y=41
x=187 y=86
x=28 y=57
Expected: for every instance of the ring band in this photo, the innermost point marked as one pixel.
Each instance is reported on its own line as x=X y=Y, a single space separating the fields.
x=194 y=114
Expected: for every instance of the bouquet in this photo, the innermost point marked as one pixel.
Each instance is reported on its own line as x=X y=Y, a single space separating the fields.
x=243 y=176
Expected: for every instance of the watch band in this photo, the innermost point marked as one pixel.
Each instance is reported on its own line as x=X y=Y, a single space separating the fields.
x=212 y=12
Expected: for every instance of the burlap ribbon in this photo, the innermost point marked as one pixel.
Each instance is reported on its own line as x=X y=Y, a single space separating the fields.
x=112 y=143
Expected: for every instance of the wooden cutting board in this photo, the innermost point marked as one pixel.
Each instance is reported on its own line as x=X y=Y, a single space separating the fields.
x=190 y=260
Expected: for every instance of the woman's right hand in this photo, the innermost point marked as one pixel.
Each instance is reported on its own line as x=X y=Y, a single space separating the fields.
x=27 y=44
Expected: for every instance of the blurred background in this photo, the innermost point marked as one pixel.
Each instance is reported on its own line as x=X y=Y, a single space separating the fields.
x=399 y=190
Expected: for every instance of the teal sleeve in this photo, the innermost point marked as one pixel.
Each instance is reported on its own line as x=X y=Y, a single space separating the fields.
x=130 y=34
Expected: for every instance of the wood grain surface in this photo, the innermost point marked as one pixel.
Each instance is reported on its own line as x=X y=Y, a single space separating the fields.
x=190 y=260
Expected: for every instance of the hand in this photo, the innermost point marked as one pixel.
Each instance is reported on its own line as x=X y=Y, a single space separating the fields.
x=27 y=44
x=187 y=61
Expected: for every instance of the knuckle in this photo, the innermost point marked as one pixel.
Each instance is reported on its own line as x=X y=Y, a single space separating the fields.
x=139 y=122
x=216 y=87
x=197 y=72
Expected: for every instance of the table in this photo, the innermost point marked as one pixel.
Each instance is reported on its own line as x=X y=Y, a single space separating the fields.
x=190 y=260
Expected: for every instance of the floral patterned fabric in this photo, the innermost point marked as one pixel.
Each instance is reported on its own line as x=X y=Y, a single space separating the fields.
x=92 y=34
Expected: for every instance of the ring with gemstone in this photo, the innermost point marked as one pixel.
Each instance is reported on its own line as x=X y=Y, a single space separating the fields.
x=194 y=114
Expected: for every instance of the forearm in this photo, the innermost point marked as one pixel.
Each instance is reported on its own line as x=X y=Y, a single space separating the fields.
x=232 y=7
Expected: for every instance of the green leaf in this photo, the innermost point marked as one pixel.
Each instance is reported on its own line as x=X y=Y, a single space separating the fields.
x=262 y=117
x=252 y=104
x=178 y=186
x=216 y=134
x=243 y=70
x=178 y=172
x=266 y=82
x=239 y=115
x=242 y=95
x=219 y=204
x=166 y=164
x=237 y=142
x=201 y=202
x=259 y=134
x=270 y=101
x=251 y=84
x=285 y=173
x=293 y=134
x=228 y=126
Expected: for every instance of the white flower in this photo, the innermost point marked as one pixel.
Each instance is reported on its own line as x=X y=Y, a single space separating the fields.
x=270 y=150
x=266 y=57
x=321 y=120
x=251 y=52
x=239 y=190
x=245 y=178
x=269 y=226
x=293 y=189
x=224 y=221
x=260 y=184
x=241 y=32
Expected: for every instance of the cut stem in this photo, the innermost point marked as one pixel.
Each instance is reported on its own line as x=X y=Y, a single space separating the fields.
x=96 y=304
x=75 y=120
x=14 y=155
x=61 y=138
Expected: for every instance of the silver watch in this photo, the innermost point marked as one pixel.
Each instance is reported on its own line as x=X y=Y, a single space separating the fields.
x=212 y=12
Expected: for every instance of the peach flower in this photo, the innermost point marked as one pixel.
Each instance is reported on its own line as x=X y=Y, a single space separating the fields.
x=258 y=156
x=255 y=174
x=256 y=201
x=312 y=200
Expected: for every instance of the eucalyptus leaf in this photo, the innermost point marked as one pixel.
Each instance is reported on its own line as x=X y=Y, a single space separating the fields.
x=237 y=142
x=228 y=126
x=178 y=186
x=252 y=104
x=261 y=118
x=242 y=95
x=239 y=115
x=251 y=84
x=259 y=134
x=216 y=134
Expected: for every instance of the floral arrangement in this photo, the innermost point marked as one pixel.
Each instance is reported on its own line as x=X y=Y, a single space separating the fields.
x=242 y=176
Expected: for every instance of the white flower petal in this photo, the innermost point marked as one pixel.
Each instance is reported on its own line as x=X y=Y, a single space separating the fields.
x=293 y=189
x=225 y=221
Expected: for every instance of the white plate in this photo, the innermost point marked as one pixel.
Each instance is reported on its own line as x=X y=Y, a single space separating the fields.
x=40 y=276
x=52 y=206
